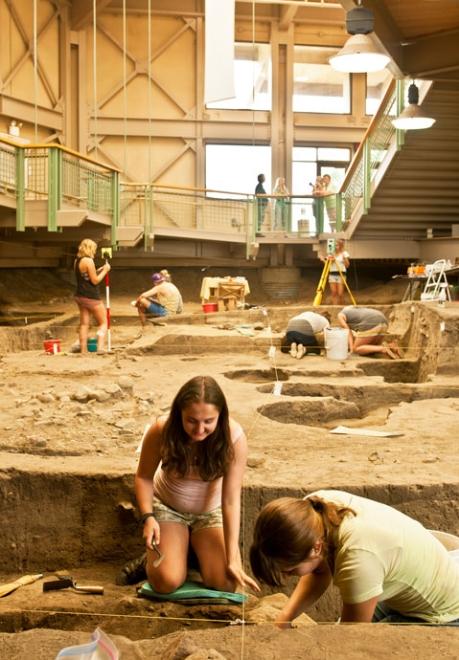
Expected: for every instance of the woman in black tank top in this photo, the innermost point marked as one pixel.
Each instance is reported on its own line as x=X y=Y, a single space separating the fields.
x=87 y=295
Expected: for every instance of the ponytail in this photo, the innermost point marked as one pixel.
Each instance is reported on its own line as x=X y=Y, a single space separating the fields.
x=287 y=529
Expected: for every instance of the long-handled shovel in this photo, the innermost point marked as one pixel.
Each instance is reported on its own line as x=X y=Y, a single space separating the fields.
x=6 y=589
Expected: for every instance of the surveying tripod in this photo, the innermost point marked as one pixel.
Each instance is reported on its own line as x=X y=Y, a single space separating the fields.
x=323 y=283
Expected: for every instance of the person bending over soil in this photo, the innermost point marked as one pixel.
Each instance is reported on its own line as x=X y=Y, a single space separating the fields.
x=188 y=488
x=367 y=328
x=87 y=295
x=162 y=299
x=387 y=566
x=305 y=334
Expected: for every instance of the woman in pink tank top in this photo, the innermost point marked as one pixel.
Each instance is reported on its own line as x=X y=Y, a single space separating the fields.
x=188 y=488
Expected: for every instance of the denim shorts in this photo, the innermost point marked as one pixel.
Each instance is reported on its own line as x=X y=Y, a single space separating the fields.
x=155 y=309
x=195 y=521
x=336 y=277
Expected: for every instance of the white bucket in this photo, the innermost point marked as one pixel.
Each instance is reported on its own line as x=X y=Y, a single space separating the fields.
x=336 y=343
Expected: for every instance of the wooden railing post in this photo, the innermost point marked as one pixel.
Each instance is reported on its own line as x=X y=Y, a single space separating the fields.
x=20 y=189
x=54 y=187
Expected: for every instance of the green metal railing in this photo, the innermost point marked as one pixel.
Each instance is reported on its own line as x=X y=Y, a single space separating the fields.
x=170 y=207
x=62 y=178
x=358 y=185
x=65 y=179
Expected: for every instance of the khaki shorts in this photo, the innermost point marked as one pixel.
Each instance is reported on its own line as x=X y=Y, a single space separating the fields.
x=380 y=329
x=194 y=521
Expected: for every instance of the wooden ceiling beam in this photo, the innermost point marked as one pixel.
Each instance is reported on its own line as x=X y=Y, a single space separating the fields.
x=82 y=14
x=431 y=56
x=286 y=16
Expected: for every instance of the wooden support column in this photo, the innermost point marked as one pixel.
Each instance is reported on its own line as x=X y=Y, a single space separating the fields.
x=282 y=113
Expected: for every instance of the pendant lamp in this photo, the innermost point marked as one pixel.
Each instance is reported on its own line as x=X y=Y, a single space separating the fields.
x=413 y=117
x=359 y=54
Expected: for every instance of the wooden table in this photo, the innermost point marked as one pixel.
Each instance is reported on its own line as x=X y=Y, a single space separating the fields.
x=229 y=291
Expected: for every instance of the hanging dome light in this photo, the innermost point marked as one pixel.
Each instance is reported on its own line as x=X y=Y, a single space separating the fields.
x=413 y=117
x=359 y=54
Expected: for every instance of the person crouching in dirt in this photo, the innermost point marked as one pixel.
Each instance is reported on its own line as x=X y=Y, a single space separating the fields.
x=162 y=299
x=305 y=334
x=87 y=295
x=367 y=328
x=387 y=566
x=188 y=488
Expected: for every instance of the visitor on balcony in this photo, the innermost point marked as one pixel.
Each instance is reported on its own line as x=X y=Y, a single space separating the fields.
x=281 y=206
x=305 y=334
x=87 y=295
x=367 y=327
x=317 y=189
x=386 y=565
x=261 y=202
x=328 y=192
x=162 y=299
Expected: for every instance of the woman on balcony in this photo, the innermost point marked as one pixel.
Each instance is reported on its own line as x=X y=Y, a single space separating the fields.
x=281 y=208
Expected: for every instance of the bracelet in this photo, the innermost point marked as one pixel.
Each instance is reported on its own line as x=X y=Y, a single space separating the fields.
x=145 y=516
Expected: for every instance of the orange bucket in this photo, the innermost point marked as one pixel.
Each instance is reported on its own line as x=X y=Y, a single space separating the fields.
x=52 y=346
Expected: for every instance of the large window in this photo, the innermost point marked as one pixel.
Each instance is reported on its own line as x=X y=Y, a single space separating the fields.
x=252 y=78
x=377 y=83
x=316 y=86
x=235 y=167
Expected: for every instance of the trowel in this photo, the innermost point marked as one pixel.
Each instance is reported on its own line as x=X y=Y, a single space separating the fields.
x=66 y=582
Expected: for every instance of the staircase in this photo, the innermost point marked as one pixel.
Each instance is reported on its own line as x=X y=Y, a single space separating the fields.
x=418 y=197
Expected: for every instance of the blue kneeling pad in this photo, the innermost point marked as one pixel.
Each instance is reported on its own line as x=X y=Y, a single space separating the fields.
x=189 y=591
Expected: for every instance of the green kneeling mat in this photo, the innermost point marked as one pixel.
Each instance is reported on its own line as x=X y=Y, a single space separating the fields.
x=190 y=591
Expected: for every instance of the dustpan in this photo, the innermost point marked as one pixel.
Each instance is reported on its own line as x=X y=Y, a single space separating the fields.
x=192 y=592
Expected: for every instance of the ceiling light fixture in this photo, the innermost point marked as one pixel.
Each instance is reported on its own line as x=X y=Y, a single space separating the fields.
x=413 y=117
x=359 y=54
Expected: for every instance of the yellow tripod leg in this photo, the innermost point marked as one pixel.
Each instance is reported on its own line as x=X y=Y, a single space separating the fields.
x=322 y=284
x=343 y=278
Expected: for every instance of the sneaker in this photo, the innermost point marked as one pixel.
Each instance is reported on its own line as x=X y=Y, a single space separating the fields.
x=300 y=352
x=132 y=572
x=293 y=349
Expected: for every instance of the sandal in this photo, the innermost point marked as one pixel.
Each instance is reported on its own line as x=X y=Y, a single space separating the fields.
x=132 y=572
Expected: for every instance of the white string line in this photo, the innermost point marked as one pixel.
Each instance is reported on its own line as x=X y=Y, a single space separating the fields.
x=94 y=72
x=124 y=89
x=149 y=101
x=127 y=616
x=35 y=70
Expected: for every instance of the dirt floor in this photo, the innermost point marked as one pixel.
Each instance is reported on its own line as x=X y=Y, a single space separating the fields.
x=70 y=427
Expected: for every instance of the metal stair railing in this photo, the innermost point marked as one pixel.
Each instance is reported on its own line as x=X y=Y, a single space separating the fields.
x=379 y=145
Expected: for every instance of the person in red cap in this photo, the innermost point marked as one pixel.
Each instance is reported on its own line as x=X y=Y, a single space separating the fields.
x=162 y=299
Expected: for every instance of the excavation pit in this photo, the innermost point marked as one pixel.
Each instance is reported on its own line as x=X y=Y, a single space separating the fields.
x=71 y=426
x=367 y=397
x=24 y=319
x=258 y=375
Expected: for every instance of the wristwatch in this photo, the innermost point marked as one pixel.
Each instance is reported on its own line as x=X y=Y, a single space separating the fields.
x=144 y=516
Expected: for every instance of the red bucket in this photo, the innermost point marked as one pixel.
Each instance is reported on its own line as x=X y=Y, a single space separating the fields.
x=52 y=346
x=208 y=308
